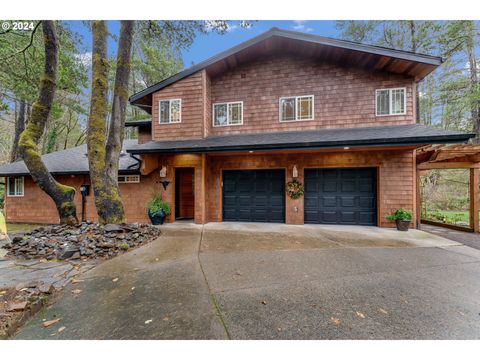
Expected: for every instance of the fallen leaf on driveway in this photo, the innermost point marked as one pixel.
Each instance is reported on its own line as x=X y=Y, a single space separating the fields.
x=50 y=322
x=74 y=281
x=115 y=280
x=19 y=306
x=133 y=287
x=61 y=329
x=335 y=320
x=166 y=318
x=148 y=321
x=76 y=291
x=383 y=311
x=360 y=315
x=264 y=302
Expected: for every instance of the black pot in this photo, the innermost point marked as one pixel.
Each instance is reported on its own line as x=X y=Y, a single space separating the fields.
x=157 y=218
x=403 y=225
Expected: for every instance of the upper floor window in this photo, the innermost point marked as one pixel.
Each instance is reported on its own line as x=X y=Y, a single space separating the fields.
x=230 y=113
x=296 y=108
x=170 y=111
x=390 y=102
x=15 y=186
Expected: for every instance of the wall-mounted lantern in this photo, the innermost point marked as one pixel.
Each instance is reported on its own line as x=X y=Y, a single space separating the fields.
x=295 y=172
x=163 y=175
x=163 y=172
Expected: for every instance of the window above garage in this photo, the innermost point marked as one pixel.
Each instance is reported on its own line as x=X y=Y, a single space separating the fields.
x=230 y=113
x=296 y=108
x=170 y=111
x=390 y=102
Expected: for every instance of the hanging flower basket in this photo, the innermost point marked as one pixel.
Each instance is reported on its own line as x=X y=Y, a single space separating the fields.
x=295 y=189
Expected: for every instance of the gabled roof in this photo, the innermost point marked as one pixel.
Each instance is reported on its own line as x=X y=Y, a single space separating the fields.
x=276 y=40
x=400 y=135
x=71 y=161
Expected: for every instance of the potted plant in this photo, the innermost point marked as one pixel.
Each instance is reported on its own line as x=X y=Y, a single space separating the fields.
x=157 y=209
x=402 y=218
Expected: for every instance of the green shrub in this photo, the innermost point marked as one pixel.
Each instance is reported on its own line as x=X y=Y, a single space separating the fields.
x=157 y=203
x=400 y=214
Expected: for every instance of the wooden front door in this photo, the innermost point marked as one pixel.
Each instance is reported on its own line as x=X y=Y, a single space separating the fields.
x=185 y=193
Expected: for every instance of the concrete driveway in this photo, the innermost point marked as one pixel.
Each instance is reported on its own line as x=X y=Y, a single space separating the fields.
x=261 y=281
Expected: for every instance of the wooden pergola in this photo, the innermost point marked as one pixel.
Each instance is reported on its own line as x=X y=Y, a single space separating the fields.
x=458 y=156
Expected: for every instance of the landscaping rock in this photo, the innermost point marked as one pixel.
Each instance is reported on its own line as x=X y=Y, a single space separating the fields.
x=85 y=240
x=113 y=227
x=67 y=252
x=46 y=288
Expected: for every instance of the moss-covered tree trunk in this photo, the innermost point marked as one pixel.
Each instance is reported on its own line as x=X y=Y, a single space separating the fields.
x=103 y=154
x=62 y=195
x=19 y=127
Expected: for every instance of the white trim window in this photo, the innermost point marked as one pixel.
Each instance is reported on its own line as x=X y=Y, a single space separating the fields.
x=127 y=179
x=229 y=113
x=170 y=111
x=296 y=108
x=15 y=186
x=390 y=102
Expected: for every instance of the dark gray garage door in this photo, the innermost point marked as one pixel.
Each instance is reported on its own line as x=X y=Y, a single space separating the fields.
x=254 y=195
x=340 y=196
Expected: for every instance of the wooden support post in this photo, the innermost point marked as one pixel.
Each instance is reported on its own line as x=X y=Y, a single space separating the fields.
x=418 y=200
x=474 y=224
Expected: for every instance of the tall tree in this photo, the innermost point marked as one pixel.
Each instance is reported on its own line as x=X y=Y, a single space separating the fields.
x=62 y=195
x=103 y=153
x=19 y=127
x=104 y=147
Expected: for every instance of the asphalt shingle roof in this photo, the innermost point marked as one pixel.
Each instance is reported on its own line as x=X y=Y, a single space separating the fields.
x=74 y=160
x=70 y=161
x=324 y=138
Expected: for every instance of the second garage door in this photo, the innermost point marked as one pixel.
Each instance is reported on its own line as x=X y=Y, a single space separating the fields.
x=340 y=196
x=254 y=195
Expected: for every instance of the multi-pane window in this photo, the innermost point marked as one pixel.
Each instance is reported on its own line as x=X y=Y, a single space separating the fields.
x=170 y=111
x=230 y=113
x=390 y=102
x=296 y=108
x=124 y=179
x=15 y=186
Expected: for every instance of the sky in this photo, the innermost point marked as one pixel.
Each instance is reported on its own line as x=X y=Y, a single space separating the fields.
x=207 y=45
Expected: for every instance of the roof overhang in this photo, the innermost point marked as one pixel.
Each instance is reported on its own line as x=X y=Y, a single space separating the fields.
x=69 y=173
x=324 y=49
x=402 y=135
x=139 y=123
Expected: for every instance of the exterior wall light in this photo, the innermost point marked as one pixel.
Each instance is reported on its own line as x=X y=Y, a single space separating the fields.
x=163 y=172
x=295 y=172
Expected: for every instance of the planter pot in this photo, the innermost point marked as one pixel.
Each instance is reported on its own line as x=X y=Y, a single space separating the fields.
x=403 y=225
x=157 y=218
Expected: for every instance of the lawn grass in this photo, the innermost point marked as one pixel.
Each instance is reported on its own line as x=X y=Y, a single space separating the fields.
x=15 y=228
x=459 y=216
x=465 y=214
x=21 y=228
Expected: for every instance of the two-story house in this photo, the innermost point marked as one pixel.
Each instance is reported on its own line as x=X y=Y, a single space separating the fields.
x=228 y=134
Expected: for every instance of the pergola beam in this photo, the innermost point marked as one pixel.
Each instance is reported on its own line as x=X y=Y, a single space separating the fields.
x=448 y=165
